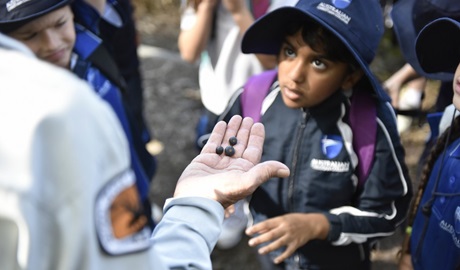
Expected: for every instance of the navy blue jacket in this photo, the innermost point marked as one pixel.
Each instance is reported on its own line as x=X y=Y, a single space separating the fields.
x=438 y=247
x=316 y=144
x=86 y=43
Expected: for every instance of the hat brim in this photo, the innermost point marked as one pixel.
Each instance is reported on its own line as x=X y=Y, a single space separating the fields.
x=266 y=35
x=438 y=47
x=11 y=25
x=403 y=15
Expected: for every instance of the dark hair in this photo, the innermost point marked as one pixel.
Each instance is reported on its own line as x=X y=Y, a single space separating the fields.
x=321 y=39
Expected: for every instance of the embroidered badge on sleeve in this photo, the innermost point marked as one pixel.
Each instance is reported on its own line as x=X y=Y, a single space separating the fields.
x=121 y=225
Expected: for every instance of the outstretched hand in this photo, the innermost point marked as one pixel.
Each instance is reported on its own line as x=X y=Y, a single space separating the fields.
x=229 y=179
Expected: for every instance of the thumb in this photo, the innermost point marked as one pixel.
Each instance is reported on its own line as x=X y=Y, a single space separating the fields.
x=268 y=169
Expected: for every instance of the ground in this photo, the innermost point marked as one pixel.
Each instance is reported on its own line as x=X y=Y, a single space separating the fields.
x=172 y=108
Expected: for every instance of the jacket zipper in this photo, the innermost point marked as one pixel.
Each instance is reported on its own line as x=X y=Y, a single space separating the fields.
x=291 y=186
x=295 y=157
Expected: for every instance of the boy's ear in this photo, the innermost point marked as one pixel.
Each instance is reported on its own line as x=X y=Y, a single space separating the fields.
x=352 y=78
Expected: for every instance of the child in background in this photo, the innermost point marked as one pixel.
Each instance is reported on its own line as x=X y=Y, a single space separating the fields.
x=434 y=224
x=329 y=211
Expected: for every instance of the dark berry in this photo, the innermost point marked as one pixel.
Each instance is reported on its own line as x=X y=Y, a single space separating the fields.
x=232 y=140
x=229 y=151
x=219 y=150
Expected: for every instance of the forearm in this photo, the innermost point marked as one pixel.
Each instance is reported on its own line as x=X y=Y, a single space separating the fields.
x=403 y=75
x=193 y=41
x=188 y=232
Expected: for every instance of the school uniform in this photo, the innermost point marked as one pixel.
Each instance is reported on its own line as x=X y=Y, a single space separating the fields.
x=316 y=145
x=435 y=237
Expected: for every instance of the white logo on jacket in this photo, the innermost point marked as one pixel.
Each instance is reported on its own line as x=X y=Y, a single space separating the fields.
x=329 y=165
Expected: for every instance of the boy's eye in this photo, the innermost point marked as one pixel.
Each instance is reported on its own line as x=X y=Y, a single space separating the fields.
x=289 y=52
x=318 y=64
x=29 y=36
x=60 y=23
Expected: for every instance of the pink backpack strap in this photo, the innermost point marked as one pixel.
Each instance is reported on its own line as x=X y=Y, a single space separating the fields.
x=255 y=90
x=363 y=122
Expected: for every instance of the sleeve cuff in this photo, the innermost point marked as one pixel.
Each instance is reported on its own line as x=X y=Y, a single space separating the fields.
x=335 y=227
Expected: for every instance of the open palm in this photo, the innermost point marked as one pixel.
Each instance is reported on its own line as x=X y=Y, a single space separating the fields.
x=229 y=179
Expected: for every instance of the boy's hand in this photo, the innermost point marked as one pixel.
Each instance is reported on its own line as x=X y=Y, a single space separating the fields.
x=290 y=230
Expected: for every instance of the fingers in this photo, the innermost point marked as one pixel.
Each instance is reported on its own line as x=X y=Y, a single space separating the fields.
x=243 y=134
x=269 y=231
x=253 y=151
x=215 y=138
x=262 y=172
x=266 y=230
x=290 y=249
x=221 y=132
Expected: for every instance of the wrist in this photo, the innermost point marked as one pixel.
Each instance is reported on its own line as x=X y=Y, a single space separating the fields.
x=335 y=227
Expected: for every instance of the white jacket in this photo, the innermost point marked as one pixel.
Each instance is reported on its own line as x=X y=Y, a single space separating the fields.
x=63 y=160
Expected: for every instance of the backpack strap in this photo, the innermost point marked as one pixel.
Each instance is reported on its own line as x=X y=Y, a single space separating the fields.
x=102 y=60
x=363 y=114
x=91 y=48
x=255 y=90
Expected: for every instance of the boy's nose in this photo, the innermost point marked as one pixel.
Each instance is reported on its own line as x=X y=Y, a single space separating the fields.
x=50 y=40
x=297 y=72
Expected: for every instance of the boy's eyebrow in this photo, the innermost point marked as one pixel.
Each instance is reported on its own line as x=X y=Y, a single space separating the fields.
x=316 y=53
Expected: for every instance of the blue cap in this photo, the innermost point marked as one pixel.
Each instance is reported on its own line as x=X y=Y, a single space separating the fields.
x=438 y=47
x=357 y=23
x=410 y=16
x=16 y=13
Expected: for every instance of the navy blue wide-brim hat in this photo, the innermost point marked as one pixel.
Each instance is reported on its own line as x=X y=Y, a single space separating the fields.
x=442 y=55
x=410 y=16
x=357 y=23
x=16 y=13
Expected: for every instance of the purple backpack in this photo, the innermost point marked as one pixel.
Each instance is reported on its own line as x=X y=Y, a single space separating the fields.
x=363 y=114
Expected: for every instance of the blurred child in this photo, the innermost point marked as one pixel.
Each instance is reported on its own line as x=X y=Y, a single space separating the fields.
x=434 y=224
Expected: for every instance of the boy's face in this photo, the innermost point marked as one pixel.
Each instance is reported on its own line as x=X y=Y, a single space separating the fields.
x=456 y=87
x=51 y=37
x=307 y=77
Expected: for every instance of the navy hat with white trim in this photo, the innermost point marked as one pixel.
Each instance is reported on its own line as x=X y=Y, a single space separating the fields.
x=16 y=13
x=357 y=23
x=438 y=46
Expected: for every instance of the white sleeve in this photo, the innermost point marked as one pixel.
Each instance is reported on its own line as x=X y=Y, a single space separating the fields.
x=188 y=18
x=60 y=147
